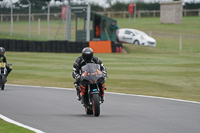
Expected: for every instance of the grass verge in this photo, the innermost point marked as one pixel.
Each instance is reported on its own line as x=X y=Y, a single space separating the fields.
x=6 y=127
x=173 y=75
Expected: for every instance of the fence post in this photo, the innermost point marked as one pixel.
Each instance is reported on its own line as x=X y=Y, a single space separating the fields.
x=199 y=11
x=109 y=14
x=124 y=15
x=180 y=43
x=197 y=45
x=11 y=18
x=17 y=17
x=33 y=19
x=185 y=13
x=138 y=13
x=1 y=17
x=38 y=26
x=135 y=12
x=154 y=13
x=48 y=19
x=88 y=23
x=149 y=33
x=29 y=19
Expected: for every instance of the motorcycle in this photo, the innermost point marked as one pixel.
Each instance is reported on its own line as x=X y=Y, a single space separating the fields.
x=3 y=72
x=91 y=76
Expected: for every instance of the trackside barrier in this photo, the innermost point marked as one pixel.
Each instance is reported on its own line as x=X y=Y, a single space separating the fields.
x=49 y=46
x=118 y=49
x=101 y=46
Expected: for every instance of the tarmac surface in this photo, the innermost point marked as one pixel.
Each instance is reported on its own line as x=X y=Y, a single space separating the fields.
x=54 y=110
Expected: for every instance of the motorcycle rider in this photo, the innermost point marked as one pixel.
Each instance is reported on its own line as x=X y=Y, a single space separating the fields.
x=87 y=57
x=3 y=59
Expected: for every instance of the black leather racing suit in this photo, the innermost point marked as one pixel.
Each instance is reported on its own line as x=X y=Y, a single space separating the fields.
x=77 y=71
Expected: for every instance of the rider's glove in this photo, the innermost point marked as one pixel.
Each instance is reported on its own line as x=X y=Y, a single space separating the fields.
x=77 y=77
x=104 y=73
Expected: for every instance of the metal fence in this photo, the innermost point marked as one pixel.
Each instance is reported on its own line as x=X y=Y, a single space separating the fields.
x=176 y=43
x=118 y=14
x=50 y=26
x=148 y=13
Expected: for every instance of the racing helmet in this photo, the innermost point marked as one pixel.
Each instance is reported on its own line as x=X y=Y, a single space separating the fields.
x=87 y=54
x=2 y=51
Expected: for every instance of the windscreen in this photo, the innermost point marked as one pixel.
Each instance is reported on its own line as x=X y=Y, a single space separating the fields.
x=90 y=67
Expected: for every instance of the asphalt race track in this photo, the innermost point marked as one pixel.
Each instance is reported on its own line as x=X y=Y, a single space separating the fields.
x=57 y=111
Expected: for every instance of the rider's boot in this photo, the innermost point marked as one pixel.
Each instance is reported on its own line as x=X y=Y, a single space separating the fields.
x=102 y=93
x=78 y=92
x=9 y=69
x=101 y=99
x=78 y=95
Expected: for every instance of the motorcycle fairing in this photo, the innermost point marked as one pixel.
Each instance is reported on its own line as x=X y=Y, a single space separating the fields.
x=91 y=73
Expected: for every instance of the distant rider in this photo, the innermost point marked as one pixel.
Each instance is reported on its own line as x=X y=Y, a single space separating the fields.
x=87 y=57
x=3 y=59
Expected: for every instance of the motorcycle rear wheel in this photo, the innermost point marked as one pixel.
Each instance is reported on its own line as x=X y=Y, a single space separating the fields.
x=95 y=104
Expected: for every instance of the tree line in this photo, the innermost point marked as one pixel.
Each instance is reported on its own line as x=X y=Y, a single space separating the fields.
x=40 y=6
x=140 y=5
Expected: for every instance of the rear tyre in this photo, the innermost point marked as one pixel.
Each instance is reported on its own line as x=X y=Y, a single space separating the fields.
x=96 y=105
x=88 y=111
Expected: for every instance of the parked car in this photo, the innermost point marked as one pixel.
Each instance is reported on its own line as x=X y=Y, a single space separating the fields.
x=134 y=36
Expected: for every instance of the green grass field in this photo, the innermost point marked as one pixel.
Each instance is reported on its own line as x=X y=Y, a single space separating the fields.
x=190 y=26
x=173 y=75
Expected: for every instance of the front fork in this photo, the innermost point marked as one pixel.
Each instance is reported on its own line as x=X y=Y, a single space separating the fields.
x=91 y=92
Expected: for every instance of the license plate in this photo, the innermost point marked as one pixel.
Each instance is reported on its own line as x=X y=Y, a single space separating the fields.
x=2 y=64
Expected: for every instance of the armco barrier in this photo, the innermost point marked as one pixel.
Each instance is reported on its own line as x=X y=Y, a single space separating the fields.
x=48 y=46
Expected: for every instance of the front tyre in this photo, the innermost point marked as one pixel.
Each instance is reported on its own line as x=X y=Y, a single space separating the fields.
x=88 y=111
x=95 y=104
x=2 y=84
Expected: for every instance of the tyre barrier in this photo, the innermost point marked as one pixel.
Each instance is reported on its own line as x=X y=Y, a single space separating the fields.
x=48 y=46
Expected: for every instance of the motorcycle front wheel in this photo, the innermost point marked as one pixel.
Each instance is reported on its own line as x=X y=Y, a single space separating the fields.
x=95 y=104
x=2 y=86
x=88 y=111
